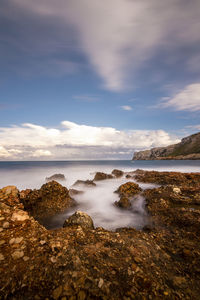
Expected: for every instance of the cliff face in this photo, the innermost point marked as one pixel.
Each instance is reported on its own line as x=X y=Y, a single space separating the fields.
x=188 y=148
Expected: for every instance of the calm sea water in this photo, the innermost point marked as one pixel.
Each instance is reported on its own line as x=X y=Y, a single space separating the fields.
x=98 y=201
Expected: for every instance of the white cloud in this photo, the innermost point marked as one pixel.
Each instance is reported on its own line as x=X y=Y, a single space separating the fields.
x=126 y=107
x=41 y=153
x=188 y=99
x=119 y=36
x=74 y=141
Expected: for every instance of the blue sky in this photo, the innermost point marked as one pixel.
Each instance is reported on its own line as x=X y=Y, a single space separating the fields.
x=99 y=77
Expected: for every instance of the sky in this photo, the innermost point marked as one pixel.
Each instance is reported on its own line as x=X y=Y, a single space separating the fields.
x=90 y=79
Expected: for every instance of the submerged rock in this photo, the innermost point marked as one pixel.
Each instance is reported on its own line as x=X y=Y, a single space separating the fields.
x=117 y=173
x=88 y=183
x=102 y=176
x=124 y=202
x=59 y=177
x=79 y=218
x=73 y=192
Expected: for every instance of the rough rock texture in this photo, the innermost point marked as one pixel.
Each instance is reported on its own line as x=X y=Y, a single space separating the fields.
x=128 y=189
x=117 y=173
x=102 y=176
x=88 y=183
x=162 y=262
x=124 y=202
x=166 y=177
x=79 y=218
x=50 y=199
x=188 y=148
x=59 y=177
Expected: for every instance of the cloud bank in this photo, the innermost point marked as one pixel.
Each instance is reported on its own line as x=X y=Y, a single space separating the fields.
x=75 y=141
x=119 y=37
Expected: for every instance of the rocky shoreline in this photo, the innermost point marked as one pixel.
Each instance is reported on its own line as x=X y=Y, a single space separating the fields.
x=162 y=261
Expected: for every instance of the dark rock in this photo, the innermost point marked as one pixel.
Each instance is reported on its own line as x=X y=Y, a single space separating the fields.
x=117 y=173
x=57 y=177
x=102 y=176
x=124 y=202
x=88 y=183
x=79 y=218
x=50 y=199
x=128 y=176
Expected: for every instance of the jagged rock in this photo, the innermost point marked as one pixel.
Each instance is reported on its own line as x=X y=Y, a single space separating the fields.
x=50 y=199
x=102 y=176
x=79 y=218
x=124 y=202
x=88 y=183
x=56 y=177
x=10 y=190
x=117 y=173
x=128 y=189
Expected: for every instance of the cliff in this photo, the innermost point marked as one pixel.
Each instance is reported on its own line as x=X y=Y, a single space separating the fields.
x=188 y=148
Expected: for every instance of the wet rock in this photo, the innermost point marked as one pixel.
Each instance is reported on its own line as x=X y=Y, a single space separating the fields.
x=79 y=218
x=56 y=177
x=124 y=202
x=74 y=192
x=117 y=173
x=102 y=176
x=50 y=199
x=88 y=183
x=128 y=189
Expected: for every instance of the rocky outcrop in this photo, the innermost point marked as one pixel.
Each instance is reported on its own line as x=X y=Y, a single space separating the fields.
x=102 y=176
x=77 y=262
x=188 y=148
x=127 y=191
x=79 y=218
x=56 y=177
x=50 y=199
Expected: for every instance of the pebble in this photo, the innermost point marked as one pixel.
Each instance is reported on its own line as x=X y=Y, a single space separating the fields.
x=2 y=242
x=6 y=225
x=100 y=284
x=20 y=216
x=26 y=258
x=1 y=257
x=17 y=254
x=57 y=292
x=15 y=240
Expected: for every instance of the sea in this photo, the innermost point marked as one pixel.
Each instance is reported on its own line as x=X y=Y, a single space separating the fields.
x=97 y=201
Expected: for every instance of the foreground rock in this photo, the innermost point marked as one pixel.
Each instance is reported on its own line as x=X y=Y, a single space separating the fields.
x=56 y=177
x=102 y=176
x=77 y=262
x=50 y=199
x=79 y=218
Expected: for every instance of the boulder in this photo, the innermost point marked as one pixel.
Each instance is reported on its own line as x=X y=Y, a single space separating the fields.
x=79 y=218
x=57 y=177
x=117 y=173
x=124 y=202
x=89 y=183
x=102 y=176
x=128 y=189
x=50 y=199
